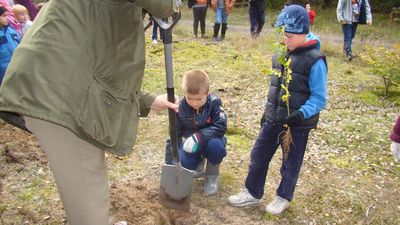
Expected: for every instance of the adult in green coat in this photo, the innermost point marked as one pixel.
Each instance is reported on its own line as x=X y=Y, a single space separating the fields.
x=76 y=79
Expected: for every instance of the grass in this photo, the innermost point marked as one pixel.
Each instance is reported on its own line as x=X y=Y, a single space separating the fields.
x=348 y=170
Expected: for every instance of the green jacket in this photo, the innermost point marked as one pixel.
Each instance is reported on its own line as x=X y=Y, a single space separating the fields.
x=81 y=66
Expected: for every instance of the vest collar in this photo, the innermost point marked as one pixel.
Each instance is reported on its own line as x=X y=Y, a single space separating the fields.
x=307 y=46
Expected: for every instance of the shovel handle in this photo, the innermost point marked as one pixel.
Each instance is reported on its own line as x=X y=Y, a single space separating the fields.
x=167 y=27
x=167 y=40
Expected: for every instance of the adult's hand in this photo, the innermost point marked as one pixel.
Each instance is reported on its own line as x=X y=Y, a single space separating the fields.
x=161 y=102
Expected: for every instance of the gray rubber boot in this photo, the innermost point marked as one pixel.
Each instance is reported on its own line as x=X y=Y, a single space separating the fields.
x=211 y=180
x=199 y=172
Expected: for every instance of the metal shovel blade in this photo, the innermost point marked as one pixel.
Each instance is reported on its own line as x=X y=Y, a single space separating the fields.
x=176 y=187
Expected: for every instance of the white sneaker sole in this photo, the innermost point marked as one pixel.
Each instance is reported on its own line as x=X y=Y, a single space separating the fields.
x=245 y=203
x=276 y=213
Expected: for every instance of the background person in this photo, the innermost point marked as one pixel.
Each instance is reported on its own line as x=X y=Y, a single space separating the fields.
x=349 y=14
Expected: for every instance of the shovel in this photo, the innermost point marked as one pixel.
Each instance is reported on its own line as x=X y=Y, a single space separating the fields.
x=176 y=181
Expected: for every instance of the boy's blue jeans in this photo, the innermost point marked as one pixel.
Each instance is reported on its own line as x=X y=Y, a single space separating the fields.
x=269 y=139
x=214 y=151
x=221 y=16
x=349 y=32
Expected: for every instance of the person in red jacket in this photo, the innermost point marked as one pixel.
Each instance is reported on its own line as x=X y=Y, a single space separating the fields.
x=311 y=14
x=395 y=137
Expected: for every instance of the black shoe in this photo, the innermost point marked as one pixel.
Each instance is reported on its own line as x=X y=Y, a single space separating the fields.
x=14 y=119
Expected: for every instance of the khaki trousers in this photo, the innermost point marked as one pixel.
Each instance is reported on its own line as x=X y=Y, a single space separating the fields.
x=79 y=169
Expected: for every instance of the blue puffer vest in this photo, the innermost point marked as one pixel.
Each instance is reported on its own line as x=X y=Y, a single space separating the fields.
x=302 y=59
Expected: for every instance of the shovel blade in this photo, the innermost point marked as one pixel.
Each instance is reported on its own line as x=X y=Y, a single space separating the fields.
x=176 y=187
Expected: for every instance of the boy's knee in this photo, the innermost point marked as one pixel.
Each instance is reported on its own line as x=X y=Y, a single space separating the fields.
x=216 y=150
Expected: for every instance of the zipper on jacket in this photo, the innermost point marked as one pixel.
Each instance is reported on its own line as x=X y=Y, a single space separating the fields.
x=279 y=87
x=195 y=121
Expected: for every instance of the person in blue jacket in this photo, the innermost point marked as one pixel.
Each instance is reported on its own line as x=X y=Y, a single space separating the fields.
x=9 y=40
x=201 y=126
x=307 y=98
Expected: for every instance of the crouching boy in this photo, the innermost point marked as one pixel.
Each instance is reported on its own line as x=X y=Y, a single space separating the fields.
x=201 y=126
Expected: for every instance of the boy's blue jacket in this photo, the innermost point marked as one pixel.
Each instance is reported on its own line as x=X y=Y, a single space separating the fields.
x=9 y=40
x=209 y=122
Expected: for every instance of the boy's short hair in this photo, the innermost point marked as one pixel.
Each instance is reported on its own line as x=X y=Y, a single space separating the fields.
x=17 y=8
x=195 y=82
x=295 y=19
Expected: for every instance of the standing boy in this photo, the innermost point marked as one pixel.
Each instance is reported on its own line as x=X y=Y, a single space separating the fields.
x=307 y=98
x=201 y=126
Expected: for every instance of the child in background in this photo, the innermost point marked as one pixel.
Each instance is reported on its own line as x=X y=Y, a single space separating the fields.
x=311 y=14
x=395 y=137
x=201 y=126
x=222 y=9
x=199 y=16
x=257 y=16
x=9 y=40
x=307 y=99
x=348 y=15
x=30 y=6
x=22 y=16
x=12 y=21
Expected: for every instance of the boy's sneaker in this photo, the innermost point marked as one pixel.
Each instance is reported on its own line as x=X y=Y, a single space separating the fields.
x=121 y=223
x=154 y=42
x=243 y=198
x=277 y=205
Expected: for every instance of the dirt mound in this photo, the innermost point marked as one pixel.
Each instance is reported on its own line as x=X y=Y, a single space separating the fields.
x=139 y=204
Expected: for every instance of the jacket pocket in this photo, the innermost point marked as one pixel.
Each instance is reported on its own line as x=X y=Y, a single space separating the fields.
x=109 y=120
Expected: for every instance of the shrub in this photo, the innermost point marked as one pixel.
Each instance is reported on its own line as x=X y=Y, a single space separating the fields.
x=395 y=15
x=383 y=62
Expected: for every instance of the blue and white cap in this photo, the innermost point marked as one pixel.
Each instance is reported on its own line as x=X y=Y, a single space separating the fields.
x=295 y=19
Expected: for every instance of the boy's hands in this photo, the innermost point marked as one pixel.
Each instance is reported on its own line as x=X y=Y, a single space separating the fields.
x=294 y=117
x=395 y=151
x=161 y=102
x=191 y=144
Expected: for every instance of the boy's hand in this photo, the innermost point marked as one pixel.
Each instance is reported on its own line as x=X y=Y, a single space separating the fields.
x=396 y=151
x=191 y=144
x=294 y=117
